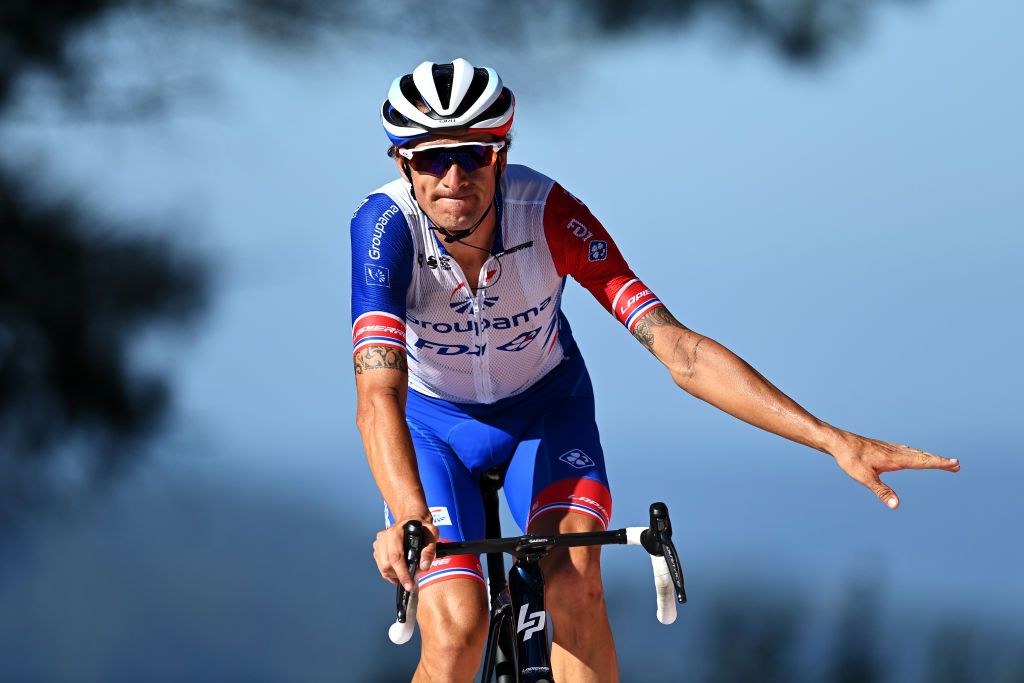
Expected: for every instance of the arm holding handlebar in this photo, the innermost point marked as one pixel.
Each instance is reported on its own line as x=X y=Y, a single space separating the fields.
x=382 y=388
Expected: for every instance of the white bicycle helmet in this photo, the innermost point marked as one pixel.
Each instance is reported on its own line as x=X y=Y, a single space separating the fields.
x=436 y=98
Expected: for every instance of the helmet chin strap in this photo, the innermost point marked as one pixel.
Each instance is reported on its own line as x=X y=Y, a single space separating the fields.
x=459 y=235
x=450 y=236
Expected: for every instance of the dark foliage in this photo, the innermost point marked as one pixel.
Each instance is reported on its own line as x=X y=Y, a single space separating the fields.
x=855 y=657
x=41 y=36
x=799 y=31
x=38 y=34
x=73 y=295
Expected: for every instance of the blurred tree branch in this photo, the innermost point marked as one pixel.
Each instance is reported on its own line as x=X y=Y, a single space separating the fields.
x=76 y=292
x=72 y=297
x=45 y=38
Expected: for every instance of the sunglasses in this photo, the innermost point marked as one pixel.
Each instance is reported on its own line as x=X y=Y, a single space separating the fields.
x=437 y=159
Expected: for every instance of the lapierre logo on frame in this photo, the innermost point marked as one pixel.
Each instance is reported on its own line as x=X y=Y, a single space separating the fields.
x=531 y=623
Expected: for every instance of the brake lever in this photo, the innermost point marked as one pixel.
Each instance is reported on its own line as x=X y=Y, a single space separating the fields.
x=412 y=543
x=657 y=540
x=675 y=567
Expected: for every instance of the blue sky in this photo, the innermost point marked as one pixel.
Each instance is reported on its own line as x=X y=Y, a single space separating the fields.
x=854 y=232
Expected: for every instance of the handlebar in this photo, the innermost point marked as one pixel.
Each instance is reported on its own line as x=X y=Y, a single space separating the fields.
x=668 y=571
x=656 y=539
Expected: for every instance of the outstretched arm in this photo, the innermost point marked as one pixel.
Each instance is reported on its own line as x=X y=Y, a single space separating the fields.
x=582 y=247
x=706 y=369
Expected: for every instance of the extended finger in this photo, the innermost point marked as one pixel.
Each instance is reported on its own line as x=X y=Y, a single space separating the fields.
x=884 y=493
x=915 y=458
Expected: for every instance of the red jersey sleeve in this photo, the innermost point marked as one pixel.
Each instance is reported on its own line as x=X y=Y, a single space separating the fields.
x=582 y=248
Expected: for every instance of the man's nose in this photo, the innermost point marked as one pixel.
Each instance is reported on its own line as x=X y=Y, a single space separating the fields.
x=455 y=176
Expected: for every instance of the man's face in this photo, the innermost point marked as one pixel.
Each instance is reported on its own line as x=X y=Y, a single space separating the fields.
x=456 y=200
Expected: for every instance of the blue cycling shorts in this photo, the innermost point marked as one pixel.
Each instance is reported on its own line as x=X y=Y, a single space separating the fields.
x=546 y=436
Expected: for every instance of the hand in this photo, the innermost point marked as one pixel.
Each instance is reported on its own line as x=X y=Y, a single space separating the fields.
x=865 y=459
x=389 y=551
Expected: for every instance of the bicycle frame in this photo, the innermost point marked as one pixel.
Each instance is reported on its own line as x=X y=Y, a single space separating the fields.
x=517 y=607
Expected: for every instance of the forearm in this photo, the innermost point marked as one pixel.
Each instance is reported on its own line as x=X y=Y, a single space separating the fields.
x=392 y=459
x=386 y=437
x=711 y=372
x=729 y=383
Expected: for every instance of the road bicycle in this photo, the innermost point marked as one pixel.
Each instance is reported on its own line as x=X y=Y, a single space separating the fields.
x=517 y=644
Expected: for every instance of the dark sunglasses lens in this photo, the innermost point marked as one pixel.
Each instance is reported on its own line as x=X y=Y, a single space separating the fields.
x=437 y=161
x=426 y=161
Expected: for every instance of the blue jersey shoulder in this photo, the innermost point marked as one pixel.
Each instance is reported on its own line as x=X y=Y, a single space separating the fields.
x=379 y=229
x=382 y=257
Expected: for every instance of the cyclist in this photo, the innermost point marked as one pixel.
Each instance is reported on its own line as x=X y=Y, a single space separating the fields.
x=465 y=361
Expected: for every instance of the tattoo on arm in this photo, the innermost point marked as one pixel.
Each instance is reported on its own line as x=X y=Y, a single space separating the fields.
x=380 y=358
x=659 y=317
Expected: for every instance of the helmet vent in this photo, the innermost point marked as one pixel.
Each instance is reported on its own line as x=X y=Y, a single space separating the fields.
x=444 y=76
x=500 y=106
x=413 y=95
x=476 y=89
